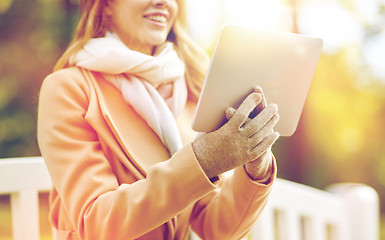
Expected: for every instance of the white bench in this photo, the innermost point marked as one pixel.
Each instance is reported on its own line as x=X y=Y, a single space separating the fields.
x=294 y=211
x=23 y=179
x=297 y=212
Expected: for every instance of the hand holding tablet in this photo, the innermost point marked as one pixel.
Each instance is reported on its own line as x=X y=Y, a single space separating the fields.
x=240 y=140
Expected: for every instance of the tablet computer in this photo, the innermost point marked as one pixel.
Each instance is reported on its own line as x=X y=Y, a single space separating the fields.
x=281 y=63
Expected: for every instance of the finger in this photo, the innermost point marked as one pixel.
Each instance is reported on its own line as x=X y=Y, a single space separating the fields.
x=263 y=146
x=242 y=113
x=258 y=89
x=255 y=139
x=260 y=120
x=230 y=112
x=262 y=158
x=258 y=160
x=265 y=154
x=263 y=103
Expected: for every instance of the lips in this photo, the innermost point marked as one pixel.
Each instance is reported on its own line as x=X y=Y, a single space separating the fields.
x=158 y=17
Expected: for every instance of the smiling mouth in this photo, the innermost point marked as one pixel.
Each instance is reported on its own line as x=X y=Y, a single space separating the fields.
x=157 y=18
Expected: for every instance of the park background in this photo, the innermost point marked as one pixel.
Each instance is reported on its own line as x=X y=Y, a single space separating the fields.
x=341 y=133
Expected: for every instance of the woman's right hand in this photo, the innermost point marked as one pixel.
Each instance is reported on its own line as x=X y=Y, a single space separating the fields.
x=238 y=141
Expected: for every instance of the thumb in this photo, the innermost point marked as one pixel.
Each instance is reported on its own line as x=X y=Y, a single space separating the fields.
x=230 y=113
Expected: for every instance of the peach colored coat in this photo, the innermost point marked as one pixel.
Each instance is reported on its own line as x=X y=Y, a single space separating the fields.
x=113 y=178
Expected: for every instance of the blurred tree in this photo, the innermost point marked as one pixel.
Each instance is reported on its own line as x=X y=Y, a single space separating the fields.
x=33 y=34
x=340 y=134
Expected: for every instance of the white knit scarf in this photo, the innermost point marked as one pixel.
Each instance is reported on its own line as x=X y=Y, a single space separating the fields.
x=137 y=76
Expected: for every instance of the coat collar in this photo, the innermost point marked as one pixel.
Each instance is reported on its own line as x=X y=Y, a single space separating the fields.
x=139 y=142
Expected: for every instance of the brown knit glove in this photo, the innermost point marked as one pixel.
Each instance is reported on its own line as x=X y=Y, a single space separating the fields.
x=237 y=142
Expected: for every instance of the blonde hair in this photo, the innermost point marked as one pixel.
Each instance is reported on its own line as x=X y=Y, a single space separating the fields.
x=93 y=23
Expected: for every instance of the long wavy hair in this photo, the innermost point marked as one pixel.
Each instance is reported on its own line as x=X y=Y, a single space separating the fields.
x=93 y=23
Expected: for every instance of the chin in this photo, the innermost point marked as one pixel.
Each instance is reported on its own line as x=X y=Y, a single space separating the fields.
x=157 y=39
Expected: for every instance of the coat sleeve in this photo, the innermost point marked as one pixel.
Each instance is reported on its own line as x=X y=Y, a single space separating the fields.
x=230 y=211
x=98 y=207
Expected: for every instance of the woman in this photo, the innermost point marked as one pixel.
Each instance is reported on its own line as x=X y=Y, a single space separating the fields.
x=114 y=129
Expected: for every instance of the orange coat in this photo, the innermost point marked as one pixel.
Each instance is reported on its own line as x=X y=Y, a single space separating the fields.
x=113 y=178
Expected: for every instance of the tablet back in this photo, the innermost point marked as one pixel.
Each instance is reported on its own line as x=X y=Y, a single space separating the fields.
x=281 y=63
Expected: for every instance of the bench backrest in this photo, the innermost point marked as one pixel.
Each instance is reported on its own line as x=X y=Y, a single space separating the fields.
x=294 y=211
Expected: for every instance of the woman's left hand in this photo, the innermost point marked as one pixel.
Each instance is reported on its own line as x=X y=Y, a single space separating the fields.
x=261 y=168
